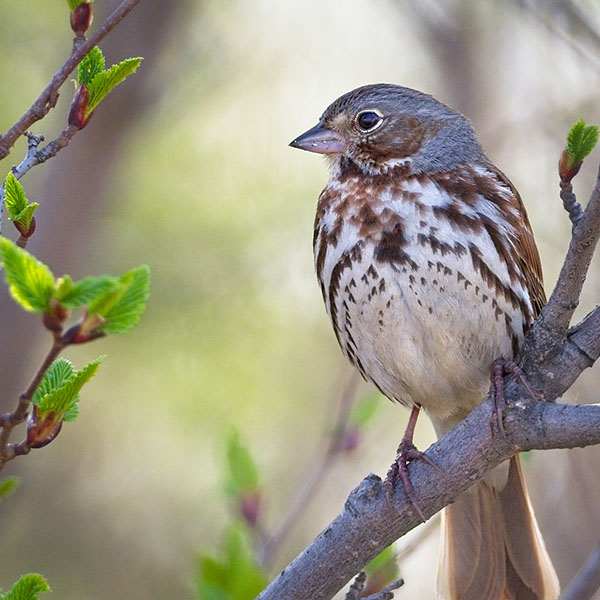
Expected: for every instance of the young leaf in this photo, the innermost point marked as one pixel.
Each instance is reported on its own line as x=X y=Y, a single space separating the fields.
x=31 y=281
x=29 y=587
x=384 y=564
x=104 y=82
x=90 y=66
x=73 y=3
x=365 y=409
x=59 y=390
x=581 y=140
x=123 y=306
x=234 y=575
x=81 y=293
x=242 y=473
x=19 y=210
x=8 y=485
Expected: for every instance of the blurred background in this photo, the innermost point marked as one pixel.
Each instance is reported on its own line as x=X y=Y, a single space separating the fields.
x=186 y=167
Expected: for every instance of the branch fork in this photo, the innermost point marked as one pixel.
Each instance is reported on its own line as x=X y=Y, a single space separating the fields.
x=554 y=355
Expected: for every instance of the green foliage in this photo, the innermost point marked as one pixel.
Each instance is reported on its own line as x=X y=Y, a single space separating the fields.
x=90 y=66
x=59 y=390
x=241 y=476
x=581 y=140
x=365 y=409
x=234 y=575
x=384 y=566
x=123 y=305
x=8 y=485
x=115 y=304
x=19 y=209
x=80 y=293
x=73 y=4
x=100 y=82
x=29 y=587
x=31 y=282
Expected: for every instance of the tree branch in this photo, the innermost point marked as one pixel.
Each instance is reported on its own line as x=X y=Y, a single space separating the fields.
x=10 y=420
x=49 y=96
x=587 y=580
x=553 y=357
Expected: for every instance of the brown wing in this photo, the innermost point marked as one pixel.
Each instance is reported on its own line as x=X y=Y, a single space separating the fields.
x=528 y=257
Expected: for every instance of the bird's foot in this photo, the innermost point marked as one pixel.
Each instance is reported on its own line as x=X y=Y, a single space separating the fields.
x=501 y=368
x=406 y=453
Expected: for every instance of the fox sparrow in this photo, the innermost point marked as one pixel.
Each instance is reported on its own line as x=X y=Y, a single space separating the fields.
x=429 y=272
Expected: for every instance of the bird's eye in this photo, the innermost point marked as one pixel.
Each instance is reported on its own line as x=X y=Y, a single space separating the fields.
x=368 y=120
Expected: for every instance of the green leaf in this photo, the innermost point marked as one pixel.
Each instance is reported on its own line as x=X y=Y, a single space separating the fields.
x=31 y=281
x=73 y=3
x=59 y=390
x=91 y=65
x=581 y=140
x=104 y=82
x=242 y=474
x=384 y=565
x=365 y=409
x=8 y=485
x=234 y=575
x=81 y=293
x=29 y=587
x=123 y=306
x=19 y=210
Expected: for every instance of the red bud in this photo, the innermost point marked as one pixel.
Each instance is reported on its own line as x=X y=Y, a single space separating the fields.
x=40 y=432
x=250 y=506
x=79 y=106
x=566 y=170
x=350 y=440
x=81 y=18
x=26 y=233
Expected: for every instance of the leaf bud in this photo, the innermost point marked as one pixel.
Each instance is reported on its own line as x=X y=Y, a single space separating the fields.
x=78 y=116
x=81 y=18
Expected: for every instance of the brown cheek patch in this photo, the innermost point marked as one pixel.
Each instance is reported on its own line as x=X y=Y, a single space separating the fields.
x=401 y=139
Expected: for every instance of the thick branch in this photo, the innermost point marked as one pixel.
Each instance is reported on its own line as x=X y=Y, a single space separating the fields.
x=47 y=99
x=553 y=358
x=548 y=332
x=365 y=527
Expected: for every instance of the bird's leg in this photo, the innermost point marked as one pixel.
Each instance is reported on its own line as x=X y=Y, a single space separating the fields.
x=501 y=368
x=407 y=452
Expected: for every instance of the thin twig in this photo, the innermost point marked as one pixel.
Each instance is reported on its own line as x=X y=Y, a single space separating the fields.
x=570 y=204
x=49 y=96
x=387 y=592
x=587 y=580
x=10 y=420
x=358 y=585
x=317 y=474
x=548 y=333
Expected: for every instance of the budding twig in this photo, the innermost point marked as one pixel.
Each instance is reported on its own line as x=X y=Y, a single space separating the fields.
x=10 y=420
x=49 y=96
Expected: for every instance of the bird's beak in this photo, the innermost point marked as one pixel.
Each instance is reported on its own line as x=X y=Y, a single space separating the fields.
x=321 y=140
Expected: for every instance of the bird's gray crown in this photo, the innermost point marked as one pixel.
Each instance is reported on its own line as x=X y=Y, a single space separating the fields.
x=449 y=140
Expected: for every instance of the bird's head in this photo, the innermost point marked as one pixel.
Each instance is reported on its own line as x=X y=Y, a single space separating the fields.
x=381 y=126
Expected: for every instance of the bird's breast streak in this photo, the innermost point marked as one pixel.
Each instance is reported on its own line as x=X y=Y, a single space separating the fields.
x=407 y=300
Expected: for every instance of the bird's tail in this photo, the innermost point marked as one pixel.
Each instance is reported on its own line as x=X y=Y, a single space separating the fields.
x=491 y=546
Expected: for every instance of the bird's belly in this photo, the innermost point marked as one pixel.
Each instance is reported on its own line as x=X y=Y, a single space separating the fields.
x=426 y=333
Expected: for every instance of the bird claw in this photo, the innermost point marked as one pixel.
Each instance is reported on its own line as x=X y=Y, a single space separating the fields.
x=501 y=368
x=407 y=452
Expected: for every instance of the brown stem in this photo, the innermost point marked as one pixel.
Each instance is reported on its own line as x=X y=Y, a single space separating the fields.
x=10 y=421
x=587 y=580
x=316 y=476
x=49 y=96
x=548 y=333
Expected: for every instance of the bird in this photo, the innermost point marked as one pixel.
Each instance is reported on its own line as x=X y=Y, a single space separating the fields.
x=430 y=274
